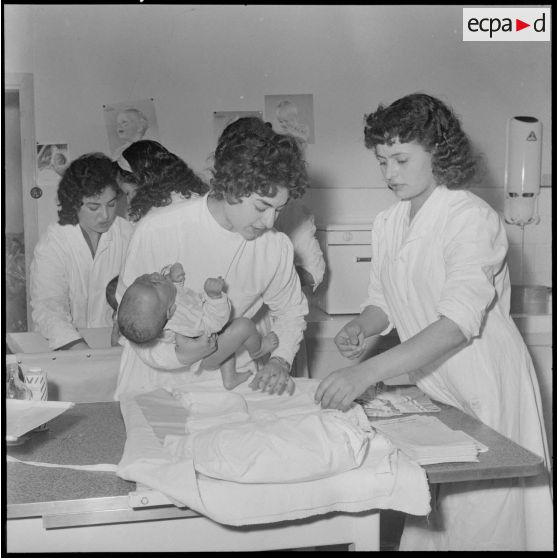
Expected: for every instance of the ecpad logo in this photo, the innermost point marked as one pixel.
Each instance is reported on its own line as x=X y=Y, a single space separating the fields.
x=506 y=24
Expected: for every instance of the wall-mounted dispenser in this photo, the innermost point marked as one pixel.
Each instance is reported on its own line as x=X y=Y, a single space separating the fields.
x=523 y=170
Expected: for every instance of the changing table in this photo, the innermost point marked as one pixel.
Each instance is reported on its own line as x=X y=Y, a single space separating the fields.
x=66 y=510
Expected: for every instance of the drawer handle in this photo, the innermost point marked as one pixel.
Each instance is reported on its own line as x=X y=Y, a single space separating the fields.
x=359 y=259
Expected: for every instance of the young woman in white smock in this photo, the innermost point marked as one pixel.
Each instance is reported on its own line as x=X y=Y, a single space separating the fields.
x=76 y=257
x=439 y=276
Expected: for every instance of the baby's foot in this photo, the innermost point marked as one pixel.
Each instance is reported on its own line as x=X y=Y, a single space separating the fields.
x=230 y=381
x=269 y=343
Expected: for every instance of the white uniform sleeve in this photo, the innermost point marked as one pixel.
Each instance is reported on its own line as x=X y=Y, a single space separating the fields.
x=287 y=304
x=375 y=291
x=474 y=253
x=161 y=355
x=50 y=295
x=297 y=223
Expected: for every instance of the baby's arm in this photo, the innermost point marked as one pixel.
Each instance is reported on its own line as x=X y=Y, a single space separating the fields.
x=214 y=287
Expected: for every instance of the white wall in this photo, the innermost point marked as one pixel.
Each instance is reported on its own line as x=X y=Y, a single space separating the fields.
x=196 y=59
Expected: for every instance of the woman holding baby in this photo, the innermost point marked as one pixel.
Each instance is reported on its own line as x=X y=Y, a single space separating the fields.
x=227 y=232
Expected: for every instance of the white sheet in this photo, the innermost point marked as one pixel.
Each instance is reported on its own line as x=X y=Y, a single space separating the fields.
x=367 y=472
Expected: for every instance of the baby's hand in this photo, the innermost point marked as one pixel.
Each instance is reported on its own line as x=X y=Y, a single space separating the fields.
x=214 y=287
x=176 y=273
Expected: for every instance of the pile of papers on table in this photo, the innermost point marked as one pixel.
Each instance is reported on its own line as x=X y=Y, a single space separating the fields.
x=22 y=416
x=386 y=401
x=427 y=440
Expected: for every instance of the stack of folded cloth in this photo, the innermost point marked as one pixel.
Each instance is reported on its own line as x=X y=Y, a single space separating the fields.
x=427 y=440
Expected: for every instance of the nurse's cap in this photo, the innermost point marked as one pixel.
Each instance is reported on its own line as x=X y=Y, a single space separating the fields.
x=123 y=164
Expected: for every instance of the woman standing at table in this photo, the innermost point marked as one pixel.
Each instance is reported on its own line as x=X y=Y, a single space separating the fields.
x=439 y=275
x=227 y=232
x=76 y=257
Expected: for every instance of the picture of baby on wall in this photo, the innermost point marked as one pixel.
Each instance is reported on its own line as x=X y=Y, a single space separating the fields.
x=292 y=115
x=128 y=122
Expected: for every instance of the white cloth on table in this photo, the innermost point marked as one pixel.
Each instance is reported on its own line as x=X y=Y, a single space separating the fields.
x=450 y=260
x=68 y=284
x=366 y=471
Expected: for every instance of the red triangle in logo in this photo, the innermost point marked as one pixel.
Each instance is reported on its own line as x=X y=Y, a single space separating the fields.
x=519 y=25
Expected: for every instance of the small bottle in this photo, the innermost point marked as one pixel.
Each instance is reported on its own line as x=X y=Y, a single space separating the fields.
x=15 y=387
x=36 y=381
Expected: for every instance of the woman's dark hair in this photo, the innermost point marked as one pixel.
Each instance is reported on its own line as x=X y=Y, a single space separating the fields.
x=158 y=173
x=86 y=177
x=250 y=157
x=429 y=122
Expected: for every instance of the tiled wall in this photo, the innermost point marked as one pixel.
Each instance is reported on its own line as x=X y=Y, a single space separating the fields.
x=530 y=253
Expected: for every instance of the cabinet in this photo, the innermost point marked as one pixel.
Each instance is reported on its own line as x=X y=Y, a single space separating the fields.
x=347 y=253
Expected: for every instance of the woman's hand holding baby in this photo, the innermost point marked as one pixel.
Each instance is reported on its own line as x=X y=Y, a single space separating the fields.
x=177 y=273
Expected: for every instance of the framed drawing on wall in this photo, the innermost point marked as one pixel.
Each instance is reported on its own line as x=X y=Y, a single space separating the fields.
x=130 y=121
x=52 y=161
x=291 y=114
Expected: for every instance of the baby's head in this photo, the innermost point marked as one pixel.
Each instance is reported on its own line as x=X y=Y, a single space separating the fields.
x=145 y=308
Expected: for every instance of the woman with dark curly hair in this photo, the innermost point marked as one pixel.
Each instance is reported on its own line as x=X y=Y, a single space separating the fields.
x=76 y=257
x=228 y=232
x=439 y=276
x=151 y=176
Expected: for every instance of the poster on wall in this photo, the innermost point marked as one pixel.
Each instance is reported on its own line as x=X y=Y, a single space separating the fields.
x=222 y=118
x=130 y=121
x=291 y=114
x=52 y=161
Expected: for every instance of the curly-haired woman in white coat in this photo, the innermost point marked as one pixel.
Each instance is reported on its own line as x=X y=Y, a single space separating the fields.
x=439 y=275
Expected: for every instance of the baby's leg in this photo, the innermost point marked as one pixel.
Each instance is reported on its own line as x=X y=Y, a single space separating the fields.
x=231 y=378
x=240 y=332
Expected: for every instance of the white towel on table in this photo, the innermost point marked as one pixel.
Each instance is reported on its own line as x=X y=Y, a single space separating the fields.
x=175 y=445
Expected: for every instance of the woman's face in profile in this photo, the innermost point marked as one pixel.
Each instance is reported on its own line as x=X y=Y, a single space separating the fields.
x=127 y=126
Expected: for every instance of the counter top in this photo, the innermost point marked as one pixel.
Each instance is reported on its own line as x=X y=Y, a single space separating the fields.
x=34 y=342
x=91 y=433
x=86 y=434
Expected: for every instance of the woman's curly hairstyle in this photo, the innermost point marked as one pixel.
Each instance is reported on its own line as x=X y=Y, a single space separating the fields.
x=250 y=157
x=426 y=120
x=157 y=173
x=86 y=177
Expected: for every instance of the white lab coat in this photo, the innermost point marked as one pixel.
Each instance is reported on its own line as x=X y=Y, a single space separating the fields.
x=297 y=223
x=68 y=285
x=256 y=272
x=450 y=261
